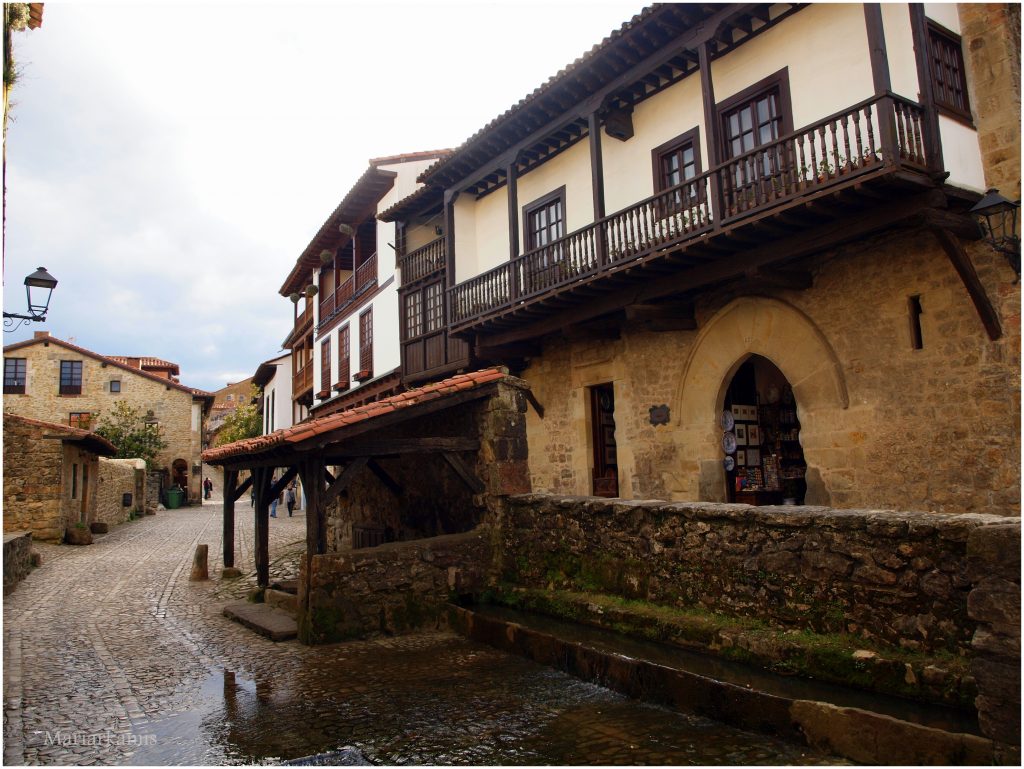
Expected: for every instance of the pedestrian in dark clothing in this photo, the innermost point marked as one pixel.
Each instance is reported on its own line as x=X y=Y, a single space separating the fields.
x=289 y=498
x=207 y=487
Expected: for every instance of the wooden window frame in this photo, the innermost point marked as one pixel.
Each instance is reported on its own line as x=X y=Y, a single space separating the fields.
x=412 y=314
x=365 y=345
x=19 y=378
x=325 y=368
x=113 y=382
x=344 y=359
x=779 y=80
x=691 y=137
x=949 y=41
x=77 y=423
x=433 y=321
x=529 y=236
x=70 y=388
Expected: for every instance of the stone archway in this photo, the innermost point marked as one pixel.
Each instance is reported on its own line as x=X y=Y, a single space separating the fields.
x=788 y=338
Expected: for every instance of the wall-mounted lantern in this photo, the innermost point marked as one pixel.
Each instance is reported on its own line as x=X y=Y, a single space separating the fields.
x=998 y=219
x=38 y=289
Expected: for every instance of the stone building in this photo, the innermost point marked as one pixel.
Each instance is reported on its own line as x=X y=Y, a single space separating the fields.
x=51 y=476
x=731 y=250
x=56 y=381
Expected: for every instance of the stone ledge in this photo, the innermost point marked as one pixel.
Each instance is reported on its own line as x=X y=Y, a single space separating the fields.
x=273 y=623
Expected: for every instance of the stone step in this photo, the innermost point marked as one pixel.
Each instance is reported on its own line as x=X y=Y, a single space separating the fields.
x=286 y=585
x=279 y=599
x=275 y=624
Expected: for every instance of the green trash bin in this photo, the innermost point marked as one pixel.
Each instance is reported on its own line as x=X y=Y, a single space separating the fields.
x=174 y=498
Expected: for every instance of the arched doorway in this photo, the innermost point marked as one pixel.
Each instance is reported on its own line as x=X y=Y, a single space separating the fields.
x=179 y=473
x=763 y=459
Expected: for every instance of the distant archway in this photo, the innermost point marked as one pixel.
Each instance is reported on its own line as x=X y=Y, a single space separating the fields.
x=179 y=473
x=788 y=338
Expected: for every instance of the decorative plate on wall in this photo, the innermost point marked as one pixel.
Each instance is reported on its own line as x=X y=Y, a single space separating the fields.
x=729 y=443
x=728 y=420
x=729 y=464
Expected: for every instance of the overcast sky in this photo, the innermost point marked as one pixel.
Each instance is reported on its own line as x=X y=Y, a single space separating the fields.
x=168 y=163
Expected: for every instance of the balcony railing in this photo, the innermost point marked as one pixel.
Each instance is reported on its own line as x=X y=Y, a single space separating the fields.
x=884 y=132
x=302 y=380
x=423 y=262
x=364 y=278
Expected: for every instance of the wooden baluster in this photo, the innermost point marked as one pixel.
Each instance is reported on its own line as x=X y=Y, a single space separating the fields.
x=835 y=146
x=846 y=141
x=814 y=158
x=857 y=140
x=901 y=128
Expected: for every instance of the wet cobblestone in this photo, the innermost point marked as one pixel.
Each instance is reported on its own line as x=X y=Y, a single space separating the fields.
x=112 y=656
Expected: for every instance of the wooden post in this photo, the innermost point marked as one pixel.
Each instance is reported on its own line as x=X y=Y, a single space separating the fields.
x=312 y=475
x=230 y=485
x=261 y=482
x=707 y=89
x=597 y=185
x=881 y=81
x=932 y=137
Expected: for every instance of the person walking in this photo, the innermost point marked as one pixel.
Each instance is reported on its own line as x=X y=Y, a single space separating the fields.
x=289 y=498
x=207 y=487
x=273 y=502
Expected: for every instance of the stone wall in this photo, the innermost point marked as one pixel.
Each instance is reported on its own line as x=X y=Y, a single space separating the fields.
x=171 y=405
x=993 y=558
x=118 y=477
x=894 y=578
x=883 y=425
x=391 y=589
x=32 y=483
x=991 y=43
x=78 y=501
x=17 y=558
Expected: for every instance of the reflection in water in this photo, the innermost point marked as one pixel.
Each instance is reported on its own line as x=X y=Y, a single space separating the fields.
x=440 y=699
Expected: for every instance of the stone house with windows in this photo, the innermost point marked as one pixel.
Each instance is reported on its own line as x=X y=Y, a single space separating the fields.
x=51 y=476
x=344 y=342
x=52 y=380
x=730 y=249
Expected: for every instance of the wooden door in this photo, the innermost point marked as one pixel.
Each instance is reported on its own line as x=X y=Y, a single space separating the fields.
x=606 y=466
x=85 y=493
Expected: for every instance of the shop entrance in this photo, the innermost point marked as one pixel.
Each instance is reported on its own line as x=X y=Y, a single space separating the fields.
x=602 y=423
x=764 y=461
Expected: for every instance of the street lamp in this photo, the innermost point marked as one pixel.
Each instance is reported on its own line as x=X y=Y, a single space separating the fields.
x=38 y=289
x=998 y=219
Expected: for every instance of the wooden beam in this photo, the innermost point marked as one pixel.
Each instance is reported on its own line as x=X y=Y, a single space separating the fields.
x=786 y=249
x=965 y=269
x=240 y=490
x=511 y=176
x=378 y=448
x=261 y=514
x=528 y=350
x=876 y=47
x=285 y=479
x=932 y=136
x=961 y=225
x=348 y=474
x=382 y=475
x=468 y=476
x=532 y=400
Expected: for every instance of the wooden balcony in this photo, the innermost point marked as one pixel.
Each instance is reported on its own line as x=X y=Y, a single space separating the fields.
x=715 y=225
x=424 y=262
x=348 y=293
x=302 y=381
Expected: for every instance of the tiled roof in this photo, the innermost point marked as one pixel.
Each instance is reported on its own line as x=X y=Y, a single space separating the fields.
x=305 y=430
x=94 y=442
x=145 y=362
x=109 y=361
x=407 y=157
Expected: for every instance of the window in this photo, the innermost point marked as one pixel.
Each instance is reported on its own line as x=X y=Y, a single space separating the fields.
x=948 y=76
x=366 y=344
x=115 y=385
x=544 y=220
x=14 y=376
x=753 y=118
x=325 y=368
x=229 y=397
x=71 y=377
x=434 y=299
x=676 y=161
x=413 y=314
x=80 y=419
x=344 y=362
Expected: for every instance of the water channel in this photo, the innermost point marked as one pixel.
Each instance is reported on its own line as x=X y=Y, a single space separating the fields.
x=439 y=699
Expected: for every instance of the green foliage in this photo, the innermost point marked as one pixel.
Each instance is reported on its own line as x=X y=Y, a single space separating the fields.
x=244 y=422
x=126 y=428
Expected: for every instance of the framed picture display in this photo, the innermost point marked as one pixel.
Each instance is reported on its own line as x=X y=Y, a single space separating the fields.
x=741 y=435
x=741 y=458
x=753 y=435
x=753 y=457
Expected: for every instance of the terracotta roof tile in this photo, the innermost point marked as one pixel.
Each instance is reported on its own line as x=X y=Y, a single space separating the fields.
x=306 y=430
x=94 y=441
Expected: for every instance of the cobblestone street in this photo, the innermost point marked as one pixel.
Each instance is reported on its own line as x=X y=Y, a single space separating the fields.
x=112 y=656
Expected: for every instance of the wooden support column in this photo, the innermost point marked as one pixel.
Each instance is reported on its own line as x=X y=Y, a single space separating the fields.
x=261 y=482
x=932 y=136
x=881 y=80
x=450 y=196
x=711 y=130
x=230 y=485
x=311 y=471
x=597 y=184
x=512 y=187
x=965 y=269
